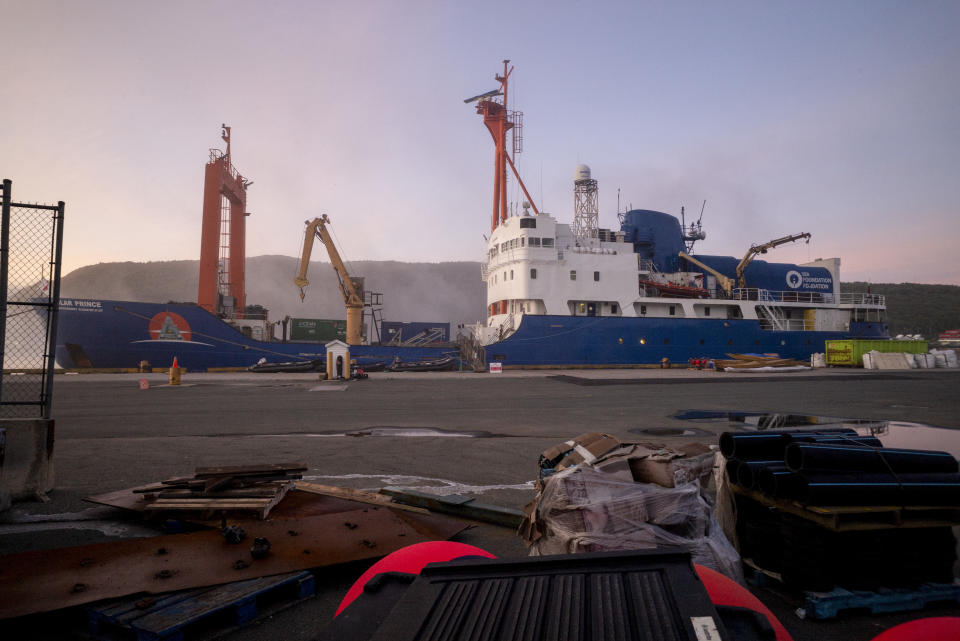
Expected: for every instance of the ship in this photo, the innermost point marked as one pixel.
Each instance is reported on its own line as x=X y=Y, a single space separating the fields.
x=576 y=295
x=220 y=332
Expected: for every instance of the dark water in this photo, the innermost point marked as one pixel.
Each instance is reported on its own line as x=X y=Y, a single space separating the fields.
x=900 y=434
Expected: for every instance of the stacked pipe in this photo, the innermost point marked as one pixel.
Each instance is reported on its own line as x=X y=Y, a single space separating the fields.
x=837 y=467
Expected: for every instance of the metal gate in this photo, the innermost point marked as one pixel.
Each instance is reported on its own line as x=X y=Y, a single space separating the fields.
x=31 y=246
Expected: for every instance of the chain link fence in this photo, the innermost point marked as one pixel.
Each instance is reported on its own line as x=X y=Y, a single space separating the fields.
x=32 y=240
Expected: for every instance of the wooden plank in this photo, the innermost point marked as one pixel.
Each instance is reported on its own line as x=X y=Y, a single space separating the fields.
x=216 y=483
x=460 y=506
x=259 y=506
x=232 y=493
x=360 y=496
x=250 y=470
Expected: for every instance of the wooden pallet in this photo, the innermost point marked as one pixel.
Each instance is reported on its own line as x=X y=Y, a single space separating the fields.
x=234 y=490
x=865 y=517
x=827 y=605
x=238 y=503
x=178 y=616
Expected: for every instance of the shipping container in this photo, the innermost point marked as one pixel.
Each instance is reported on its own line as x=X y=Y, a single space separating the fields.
x=850 y=352
x=321 y=330
x=414 y=333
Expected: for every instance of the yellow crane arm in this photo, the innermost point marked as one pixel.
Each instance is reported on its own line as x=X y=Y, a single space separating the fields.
x=762 y=249
x=725 y=281
x=317 y=228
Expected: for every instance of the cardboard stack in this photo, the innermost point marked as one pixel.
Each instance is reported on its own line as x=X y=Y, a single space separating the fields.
x=596 y=493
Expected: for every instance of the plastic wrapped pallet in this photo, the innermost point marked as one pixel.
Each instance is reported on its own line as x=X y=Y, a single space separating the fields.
x=940 y=358
x=600 y=506
x=945 y=357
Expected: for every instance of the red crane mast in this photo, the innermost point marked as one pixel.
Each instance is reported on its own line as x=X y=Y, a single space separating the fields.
x=223 y=235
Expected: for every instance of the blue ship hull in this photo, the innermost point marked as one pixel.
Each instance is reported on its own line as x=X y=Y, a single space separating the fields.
x=578 y=341
x=118 y=334
x=108 y=334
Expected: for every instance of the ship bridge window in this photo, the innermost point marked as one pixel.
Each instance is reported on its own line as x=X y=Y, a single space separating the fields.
x=573 y=274
x=528 y=223
x=673 y=310
x=547 y=242
x=503 y=247
x=596 y=276
x=613 y=308
x=511 y=274
x=534 y=241
x=533 y=273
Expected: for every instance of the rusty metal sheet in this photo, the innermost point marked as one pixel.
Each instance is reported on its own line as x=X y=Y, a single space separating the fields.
x=44 y=580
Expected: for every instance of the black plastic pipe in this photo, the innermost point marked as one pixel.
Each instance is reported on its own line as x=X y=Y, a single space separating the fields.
x=860 y=441
x=732 y=469
x=814 y=456
x=821 y=488
x=769 y=445
x=748 y=473
x=780 y=483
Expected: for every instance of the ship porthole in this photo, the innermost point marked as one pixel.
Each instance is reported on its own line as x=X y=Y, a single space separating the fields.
x=643 y=341
x=783 y=342
x=620 y=340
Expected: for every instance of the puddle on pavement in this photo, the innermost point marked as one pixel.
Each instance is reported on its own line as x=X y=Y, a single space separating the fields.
x=902 y=434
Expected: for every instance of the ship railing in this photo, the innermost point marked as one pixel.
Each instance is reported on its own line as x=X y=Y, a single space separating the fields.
x=592 y=250
x=863 y=299
x=786 y=324
x=766 y=295
x=217 y=154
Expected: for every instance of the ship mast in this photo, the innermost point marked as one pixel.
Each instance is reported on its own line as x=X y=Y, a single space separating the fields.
x=499 y=121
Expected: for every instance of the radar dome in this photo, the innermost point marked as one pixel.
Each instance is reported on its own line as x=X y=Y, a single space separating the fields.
x=582 y=172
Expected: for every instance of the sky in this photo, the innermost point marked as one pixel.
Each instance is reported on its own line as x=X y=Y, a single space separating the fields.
x=835 y=118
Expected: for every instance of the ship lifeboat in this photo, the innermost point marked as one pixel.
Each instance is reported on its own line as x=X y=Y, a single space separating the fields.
x=669 y=290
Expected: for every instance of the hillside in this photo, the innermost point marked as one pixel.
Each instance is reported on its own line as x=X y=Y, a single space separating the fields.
x=916 y=309
x=443 y=292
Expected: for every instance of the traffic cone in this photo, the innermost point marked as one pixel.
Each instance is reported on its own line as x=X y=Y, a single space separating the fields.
x=174 y=373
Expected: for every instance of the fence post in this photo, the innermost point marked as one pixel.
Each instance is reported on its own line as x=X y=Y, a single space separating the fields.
x=4 y=255
x=54 y=311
